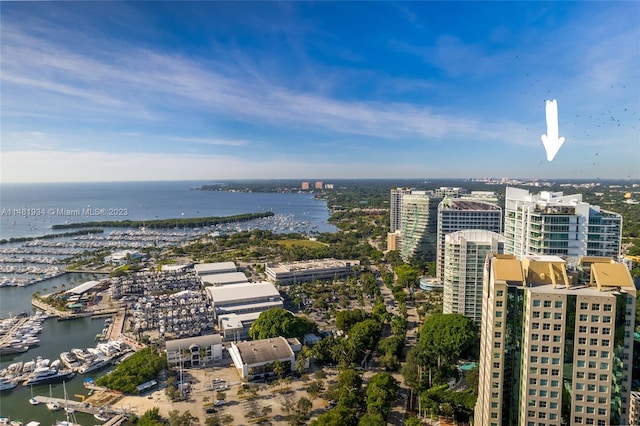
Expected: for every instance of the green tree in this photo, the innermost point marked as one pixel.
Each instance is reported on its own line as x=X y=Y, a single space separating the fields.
x=151 y=417
x=337 y=416
x=446 y=336
x=369 y=419
x=277 y=322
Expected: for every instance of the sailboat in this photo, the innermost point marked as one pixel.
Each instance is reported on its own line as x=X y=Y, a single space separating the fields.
x=69 y=411
x=32 y=400
x=52 y=405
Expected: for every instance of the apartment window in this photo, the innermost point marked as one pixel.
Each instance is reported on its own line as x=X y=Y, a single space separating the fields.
x=594 y=330
x=536 y=314
x=553 y=416
x=603 y=400
x=534 y=336
x=579 y=386
x=532 y=392
x=494 y=394
x=533 y=370
x=535 y=325
x=554 y=383
x=577 y=419
x=591 y=388
x=556 y=339
x=582 y=352
x=605 y=342
x=582 y=329
x=591 y=398
x=603 y=365
x=583 y=317
x=546 y=326
x=582 y=340
x=558 y=304
x=498 y=324
x=497 y=335
x=579 y=397
x=606 y=330
x=498 y=314
x=584 y=305
x=542 y=393
x=580 y=375
x=544 y=371
x=546 y=315
x=499 y=293
x=602 y=412
x=553 y=394
x=557 y=315
x=496 y=365
x=555 y=372
x=579 y=408
x=534 y=359
x=534 y=348
x=545 y=349
x=496 y=345
x=495 y=374
x=606 y=307
x=495 y=385
x=595 y=318
x=592 y=364
x=604 y=377
x=593 y=342
x=606 y=319
x=595 y=307
x=531 y=413
x=589 y=421
x=593 y=353
x=499 y=303
x=553 y=405
x=602 y=423
x=545 y=337
x=592 y=376
x=590 y=410
x=547 y=303
x=533 y=381
x=544 y=360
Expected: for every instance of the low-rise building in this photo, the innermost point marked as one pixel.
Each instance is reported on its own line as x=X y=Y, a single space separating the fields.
x=236 y=326
x=226 y=278
x=194 y=351
x=255 y=359
x=203 y=269
x=310 y=270
x=243 y=298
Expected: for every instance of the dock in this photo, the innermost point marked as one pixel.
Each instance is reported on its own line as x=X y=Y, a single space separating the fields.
x=80 y=407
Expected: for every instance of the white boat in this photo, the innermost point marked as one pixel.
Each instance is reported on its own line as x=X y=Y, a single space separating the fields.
x=101 y=416
x=52 y=406
x=32 y=400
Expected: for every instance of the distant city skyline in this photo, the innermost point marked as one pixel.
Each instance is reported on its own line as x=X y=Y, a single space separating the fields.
x=110 y=91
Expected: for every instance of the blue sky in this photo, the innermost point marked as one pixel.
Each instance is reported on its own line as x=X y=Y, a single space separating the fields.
x=106 y=91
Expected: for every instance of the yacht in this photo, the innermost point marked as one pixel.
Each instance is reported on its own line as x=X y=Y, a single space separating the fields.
x=94 y=365
x=48 y=375
x=8 y=384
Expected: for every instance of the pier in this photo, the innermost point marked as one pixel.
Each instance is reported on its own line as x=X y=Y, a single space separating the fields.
x=80 y=407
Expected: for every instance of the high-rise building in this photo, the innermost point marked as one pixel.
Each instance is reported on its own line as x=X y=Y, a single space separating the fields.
x=551 y=223
x=457 y=214
x=556 y=346
x=419 y=230
x=305 y=186
x=395 y=208
x=464 y=256
x=319 y=185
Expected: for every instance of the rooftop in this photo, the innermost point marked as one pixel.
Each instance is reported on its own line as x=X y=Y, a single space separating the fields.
x=264 y=351
x=234 y=292
x=305 y=265
x=214 y=268
x=206 y=340
x=225 y=278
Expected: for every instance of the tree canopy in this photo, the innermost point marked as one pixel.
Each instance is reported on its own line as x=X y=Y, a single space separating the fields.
x=280 y=322
x=141 y=367
x=447 y=336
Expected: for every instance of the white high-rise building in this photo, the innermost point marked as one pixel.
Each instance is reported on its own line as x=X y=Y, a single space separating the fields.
x=465 y=255
x=395 y=208
x=551 y=223
x=457 y=214
x=556 y=346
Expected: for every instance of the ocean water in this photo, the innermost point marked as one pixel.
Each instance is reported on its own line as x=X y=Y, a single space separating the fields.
x=31 y=209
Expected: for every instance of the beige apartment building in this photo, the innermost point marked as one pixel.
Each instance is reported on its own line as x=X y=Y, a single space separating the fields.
x=554 y=338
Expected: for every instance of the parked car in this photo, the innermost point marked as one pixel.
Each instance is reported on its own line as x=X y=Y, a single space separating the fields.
x=219 y=402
